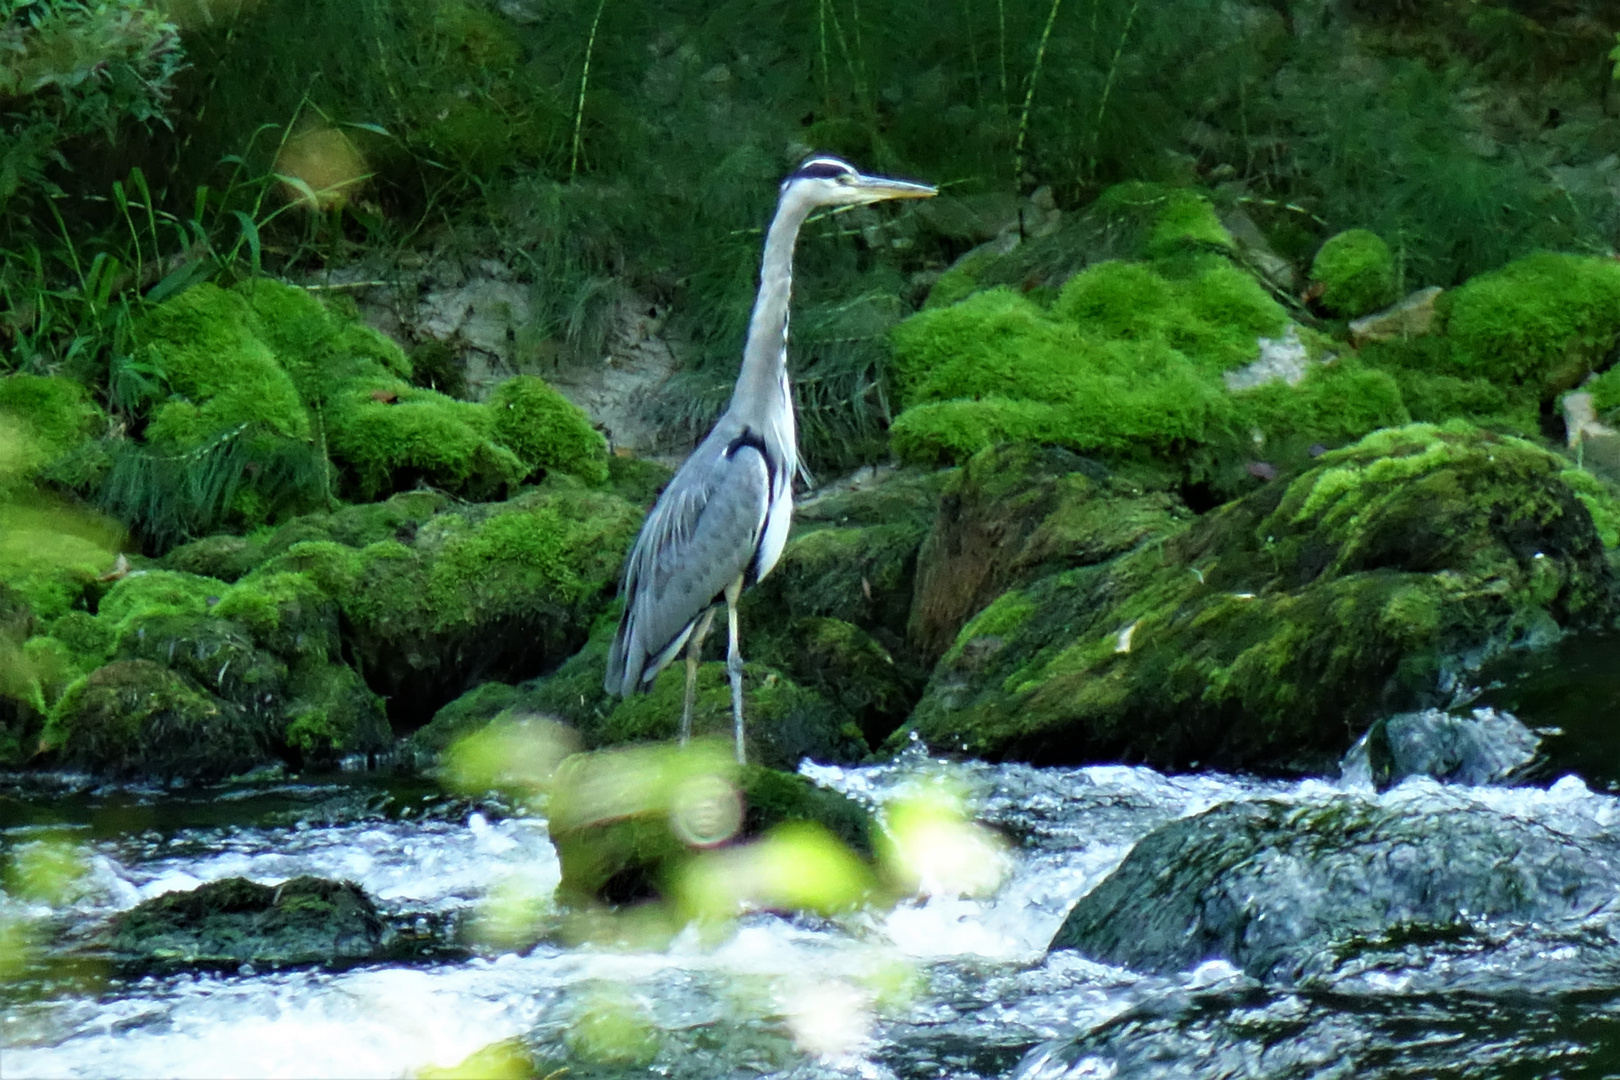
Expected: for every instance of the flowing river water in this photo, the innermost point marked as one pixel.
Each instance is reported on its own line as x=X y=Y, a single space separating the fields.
x=939 y=986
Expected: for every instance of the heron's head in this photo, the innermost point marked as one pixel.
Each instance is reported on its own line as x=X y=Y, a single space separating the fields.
x=824 y=180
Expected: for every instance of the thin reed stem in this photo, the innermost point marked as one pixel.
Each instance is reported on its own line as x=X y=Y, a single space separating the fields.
x=584 y=82
x=1029 y=92
x=1108 y=85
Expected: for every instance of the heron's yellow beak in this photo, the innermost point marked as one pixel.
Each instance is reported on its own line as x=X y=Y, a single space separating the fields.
x=878 y=188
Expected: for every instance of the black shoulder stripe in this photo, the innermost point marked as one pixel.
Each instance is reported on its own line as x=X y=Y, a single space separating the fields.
x=752 y=438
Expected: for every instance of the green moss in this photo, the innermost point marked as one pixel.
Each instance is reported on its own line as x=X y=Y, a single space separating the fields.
x=319 y=349
x=1599 y=501
x=961 y=280
x=784 y=722
x=1276 y=623
x=89 y=638
x=465 y=715
x=137 y=717
x=384 y=436
x=204 y=342
x=159 y=592
x=56 y=416
x=1173 y=220
x=1544 y=321
x=1127 y=364
x=546 y=430
x=1356 y=272
x=223 y=556
x=637 y=480
x=331 y=712
x=287 y=612
x=51 y=552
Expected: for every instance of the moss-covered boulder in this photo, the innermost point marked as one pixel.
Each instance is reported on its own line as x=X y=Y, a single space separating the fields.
x=1275 y=628
x=625 y=822
x=1187 y=363
x=1019 y=512
x=1134 y=221
x=1354 y=273
x=426 y=598
x=138 y=718
x=225 y=924
x=278 y=402
x=1543 y=322
x=784 y=723
x=480 y=592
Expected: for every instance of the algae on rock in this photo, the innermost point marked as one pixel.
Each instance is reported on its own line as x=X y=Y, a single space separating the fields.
x=1273 y=629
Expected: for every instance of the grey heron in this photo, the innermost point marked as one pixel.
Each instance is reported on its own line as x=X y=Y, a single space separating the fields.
x=723 y=520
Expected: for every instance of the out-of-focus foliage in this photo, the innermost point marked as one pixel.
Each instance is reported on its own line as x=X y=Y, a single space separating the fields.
x=76 y=68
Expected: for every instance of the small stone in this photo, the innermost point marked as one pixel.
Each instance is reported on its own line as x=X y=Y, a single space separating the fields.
x=1412 y=317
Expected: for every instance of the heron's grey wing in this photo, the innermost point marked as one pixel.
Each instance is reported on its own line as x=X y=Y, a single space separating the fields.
x=698 y=539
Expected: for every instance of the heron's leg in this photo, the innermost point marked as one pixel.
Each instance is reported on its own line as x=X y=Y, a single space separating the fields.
x=734 y=666
x=694 y=646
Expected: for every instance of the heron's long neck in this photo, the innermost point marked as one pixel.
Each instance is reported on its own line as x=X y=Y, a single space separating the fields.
x=763 y=380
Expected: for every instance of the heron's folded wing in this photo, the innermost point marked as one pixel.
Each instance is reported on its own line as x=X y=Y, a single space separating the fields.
x=698 y=539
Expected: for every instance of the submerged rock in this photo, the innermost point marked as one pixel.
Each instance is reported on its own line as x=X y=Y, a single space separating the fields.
x=1272 y=627
x=1486 y=748
x=225 y=924
x=1279 y=889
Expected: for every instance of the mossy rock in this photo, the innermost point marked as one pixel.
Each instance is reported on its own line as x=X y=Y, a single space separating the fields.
x=783 y=722
x=465 y=715
x=851 y=556
x=625 y=822
x=389 y=435
x=1015 y=513
x=281 y=402
x=53 y=416
x=1132 y=362
x=547 y=431
x=848 y=667
x=225 y=924
x=331 y=713
x=1544 y=322
x=1276 y=628
x=1355 y=272
x=138 y=718
x=484 y=592
x=1133 y=221
x=425 y=597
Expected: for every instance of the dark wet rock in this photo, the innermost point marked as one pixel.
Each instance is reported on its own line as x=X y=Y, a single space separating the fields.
x=1017 y=513
x=228 y=923
x=625 y=822
x=1570 y=695
x=1276 y=627
x=1254 y=1032
x=1487 y=747
x=1277 y=889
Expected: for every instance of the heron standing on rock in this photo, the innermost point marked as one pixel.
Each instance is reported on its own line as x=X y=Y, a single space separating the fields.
x=721 y=523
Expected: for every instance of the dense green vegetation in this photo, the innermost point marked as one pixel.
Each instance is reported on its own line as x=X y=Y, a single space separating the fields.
x=1162 y=231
